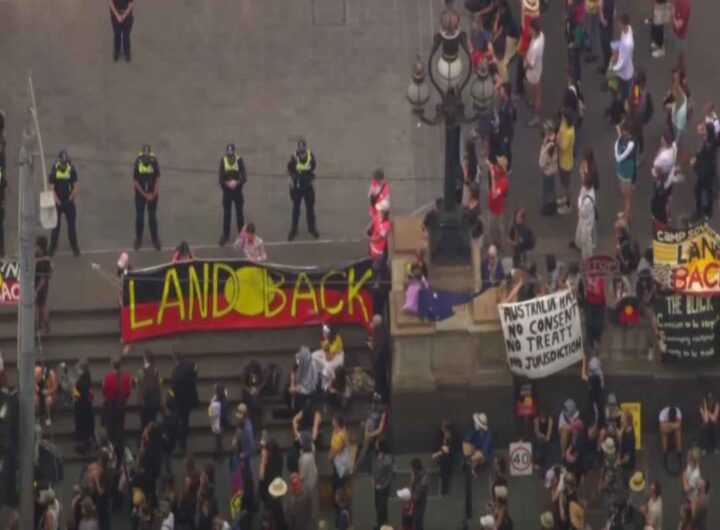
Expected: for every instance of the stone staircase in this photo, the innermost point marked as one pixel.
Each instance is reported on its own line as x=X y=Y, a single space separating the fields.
x=93 y=334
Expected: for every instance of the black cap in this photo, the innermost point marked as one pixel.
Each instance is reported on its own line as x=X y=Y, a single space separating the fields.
x=230 y=149
x=301 y=146
x=146 y=149
x=63 y=156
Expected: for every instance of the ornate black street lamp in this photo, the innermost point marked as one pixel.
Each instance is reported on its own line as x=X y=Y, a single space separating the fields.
x=449 y=74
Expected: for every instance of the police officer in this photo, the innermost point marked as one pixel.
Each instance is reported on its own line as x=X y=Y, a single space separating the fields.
x=146 y=177
x=301 y=169
x=232 y=180
x=63 y=179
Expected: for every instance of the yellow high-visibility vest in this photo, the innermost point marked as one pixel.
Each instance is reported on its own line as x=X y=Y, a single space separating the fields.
x=62 y=174
x=301 y=166
x=229 y=166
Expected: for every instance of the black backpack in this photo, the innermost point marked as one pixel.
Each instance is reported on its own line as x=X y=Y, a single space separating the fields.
x=648 y=110
x=273 y=381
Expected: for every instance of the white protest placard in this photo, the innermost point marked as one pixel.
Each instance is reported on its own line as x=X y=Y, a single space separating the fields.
x=542 y=335
x=521 y=459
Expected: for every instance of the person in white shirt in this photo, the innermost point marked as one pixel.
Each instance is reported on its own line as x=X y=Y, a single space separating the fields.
x=215 y=414
x=585 y=233
x=166 y=516
x=250 y=244
x=653 y=508
x=691 y=476
x=533 y=69
x=623 y=68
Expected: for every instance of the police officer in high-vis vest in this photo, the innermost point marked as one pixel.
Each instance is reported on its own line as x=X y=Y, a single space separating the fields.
x=232 y=180
x=64 y=182
x=146 y=178
x=301 y=169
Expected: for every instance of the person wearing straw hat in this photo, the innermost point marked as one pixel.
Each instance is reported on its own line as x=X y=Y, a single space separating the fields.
x=577 y=516
x=636 y=498
x=63 y=180
x=608 y=478
x=274 y=516
x=478 y=443
x=547 y=521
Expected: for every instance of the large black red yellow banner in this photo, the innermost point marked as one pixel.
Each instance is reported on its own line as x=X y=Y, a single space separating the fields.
x=237 y=294
x=9 y=281
x=688 y=261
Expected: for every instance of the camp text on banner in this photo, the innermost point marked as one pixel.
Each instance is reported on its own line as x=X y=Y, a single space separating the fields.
x=237 y=294
x=688 y=261
x=543 y=335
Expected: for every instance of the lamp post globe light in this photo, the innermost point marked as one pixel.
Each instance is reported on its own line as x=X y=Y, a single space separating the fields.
x=450 y=69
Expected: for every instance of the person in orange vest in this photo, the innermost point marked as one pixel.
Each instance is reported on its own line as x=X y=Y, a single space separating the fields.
x=379 y=191
x=379 y=229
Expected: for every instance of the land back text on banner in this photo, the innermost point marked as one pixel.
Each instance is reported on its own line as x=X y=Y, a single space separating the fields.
x=543 y=335
x=237 y=294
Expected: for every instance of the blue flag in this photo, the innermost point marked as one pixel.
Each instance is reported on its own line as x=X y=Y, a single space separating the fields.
x=435 y=305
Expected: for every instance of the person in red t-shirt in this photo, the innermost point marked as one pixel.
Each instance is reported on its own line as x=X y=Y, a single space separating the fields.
x=116 y=391
x=680 y=21
x=497 y=193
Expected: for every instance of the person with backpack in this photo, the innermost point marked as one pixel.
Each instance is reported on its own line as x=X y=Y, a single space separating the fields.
x=548 y=162
x=149 y=388
x=627 y=250
x=624 y=150
x=520 y=238
x=586 y=230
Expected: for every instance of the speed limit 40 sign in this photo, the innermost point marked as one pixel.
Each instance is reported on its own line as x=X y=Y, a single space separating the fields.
x=521 y=459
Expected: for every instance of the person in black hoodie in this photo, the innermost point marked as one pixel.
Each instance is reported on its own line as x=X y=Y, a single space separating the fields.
x=183 y=388
x=704 y=166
